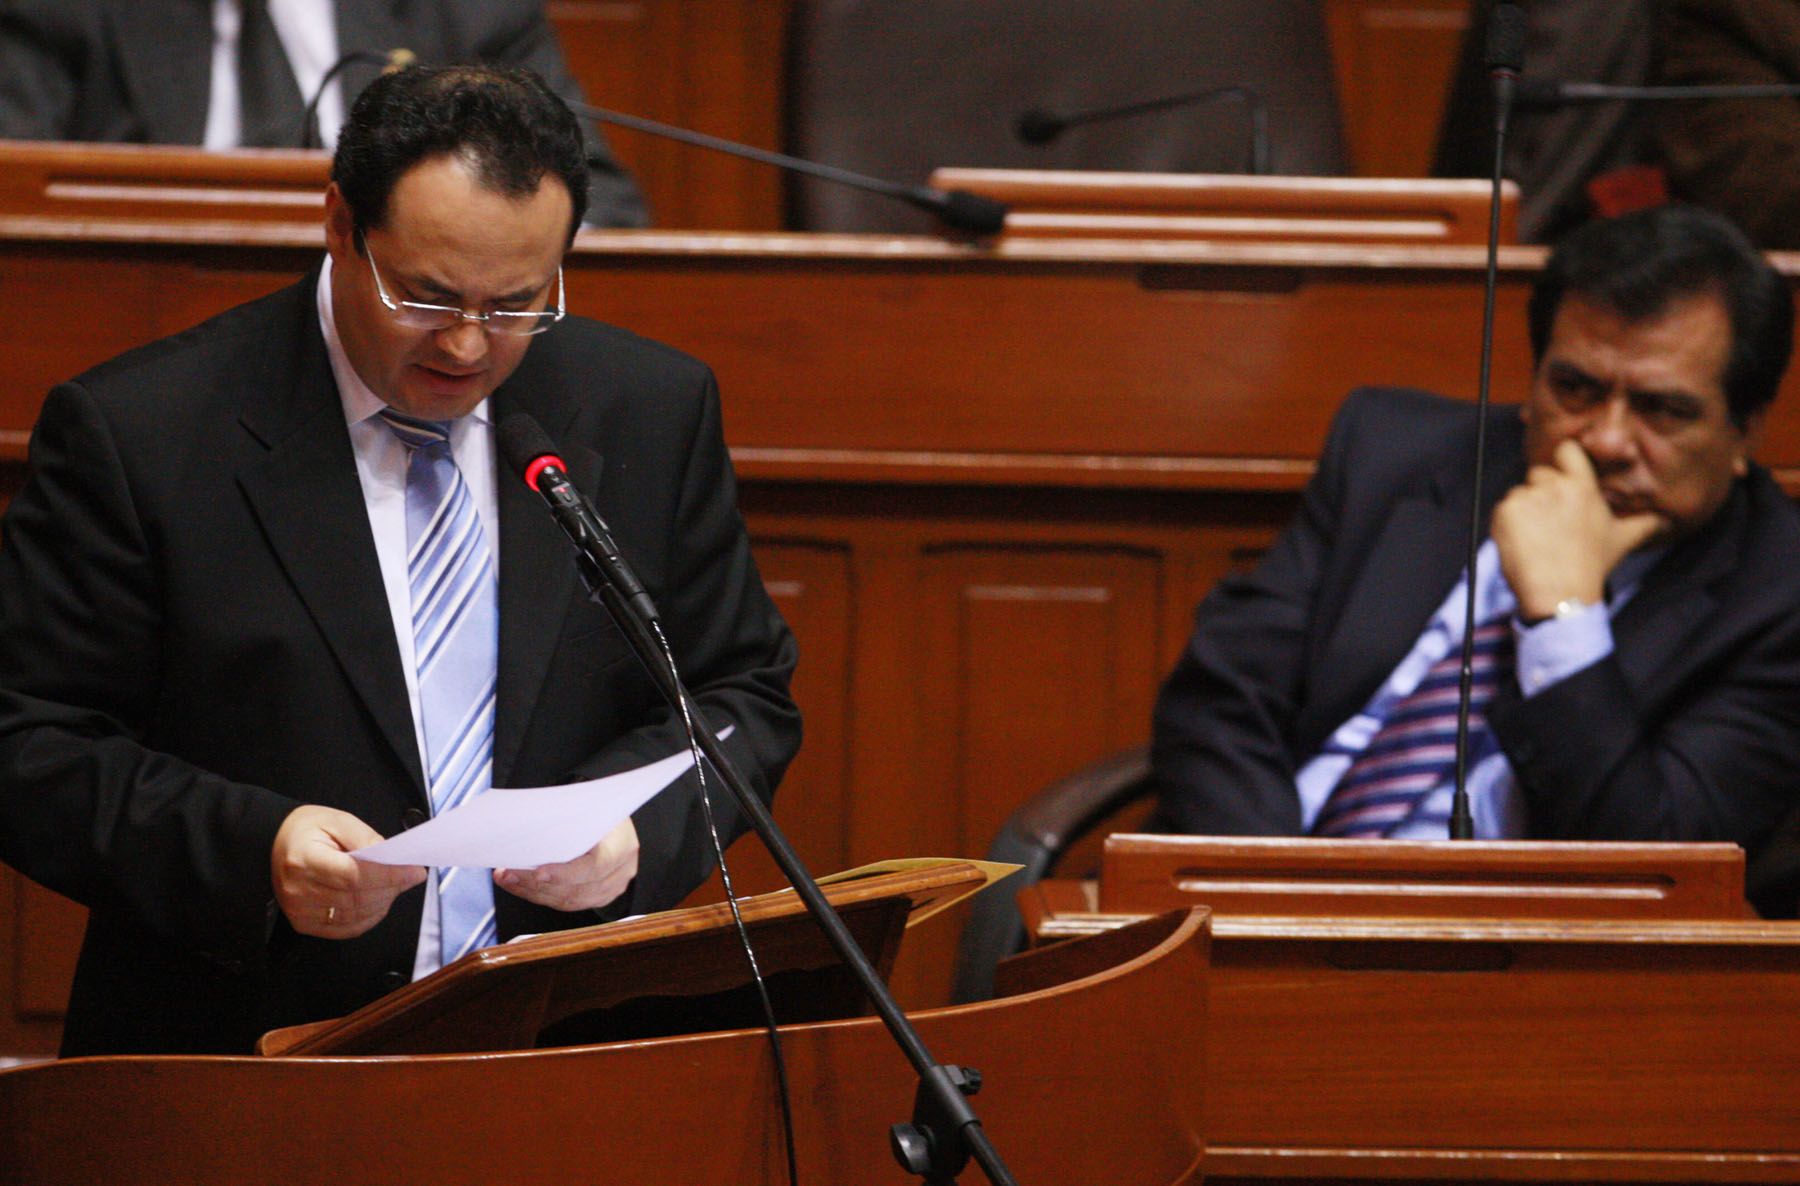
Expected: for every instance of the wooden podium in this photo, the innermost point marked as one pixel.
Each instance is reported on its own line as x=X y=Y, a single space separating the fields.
x=1226 y=207
x=1390 y=1011
x=1120 y=1105
x=170 y=184
x=160 y=184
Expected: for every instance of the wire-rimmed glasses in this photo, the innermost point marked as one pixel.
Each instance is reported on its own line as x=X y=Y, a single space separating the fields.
x=419 y=315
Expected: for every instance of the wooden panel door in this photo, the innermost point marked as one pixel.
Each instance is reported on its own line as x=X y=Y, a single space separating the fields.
x=714 y=66
x=1394 y=61
x=810 y=584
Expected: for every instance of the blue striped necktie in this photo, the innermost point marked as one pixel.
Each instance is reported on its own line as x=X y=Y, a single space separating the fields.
x=456 y=625
x=1414 y=750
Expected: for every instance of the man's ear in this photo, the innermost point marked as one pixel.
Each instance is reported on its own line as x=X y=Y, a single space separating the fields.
x=340 y=226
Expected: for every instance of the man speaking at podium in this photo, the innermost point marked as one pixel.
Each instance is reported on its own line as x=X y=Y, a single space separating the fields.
x=266 y=598
x=1637 y=671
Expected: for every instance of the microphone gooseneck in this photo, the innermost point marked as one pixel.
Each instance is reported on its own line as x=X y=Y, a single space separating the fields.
x=398 y=58
x=1505 y=60
x=1536 y=94
x=958 y=209
x=1037 y=126
x=956 y=1131
x=528 y=451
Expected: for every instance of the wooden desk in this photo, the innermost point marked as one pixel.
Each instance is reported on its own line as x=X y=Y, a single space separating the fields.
x=158 y=183
x=1235 y=207
x=1506 y=1011
x=1252 y=875
x=1445 y=1051
x=699 y=1107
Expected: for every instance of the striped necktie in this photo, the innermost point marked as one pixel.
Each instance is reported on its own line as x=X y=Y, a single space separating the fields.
x=1414 y=750
x=450 y=573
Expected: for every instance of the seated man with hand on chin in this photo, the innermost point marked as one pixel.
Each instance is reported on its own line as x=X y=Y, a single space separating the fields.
x=1637 y=671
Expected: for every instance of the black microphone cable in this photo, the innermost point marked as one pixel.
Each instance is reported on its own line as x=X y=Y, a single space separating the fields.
x=529 y=451
x=776 y=1050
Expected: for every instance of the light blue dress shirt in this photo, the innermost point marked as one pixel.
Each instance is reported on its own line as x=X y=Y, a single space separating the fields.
x=1546 y=654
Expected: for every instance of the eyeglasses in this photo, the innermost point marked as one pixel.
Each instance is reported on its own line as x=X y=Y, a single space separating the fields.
x=418 y=315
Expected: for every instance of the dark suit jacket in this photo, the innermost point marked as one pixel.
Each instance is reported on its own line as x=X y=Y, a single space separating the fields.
x=1554 y=153
x=1741 y=157
x=138 y=71
x=194 y=639
x=1689 y=731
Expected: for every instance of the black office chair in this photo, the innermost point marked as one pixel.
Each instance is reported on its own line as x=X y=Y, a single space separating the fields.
x=898 y=88
x=1036 y=836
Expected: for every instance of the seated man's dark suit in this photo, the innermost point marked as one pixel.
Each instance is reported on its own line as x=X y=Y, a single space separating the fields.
x=137 y=71
x=194 y=640
x=1690 y=730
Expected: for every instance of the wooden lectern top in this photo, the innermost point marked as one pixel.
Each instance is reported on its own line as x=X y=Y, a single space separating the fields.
x=1147 y=874
x=509 y=997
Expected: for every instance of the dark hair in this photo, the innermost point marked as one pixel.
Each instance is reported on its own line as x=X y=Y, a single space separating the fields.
x=508 y=126
x=1636 y=264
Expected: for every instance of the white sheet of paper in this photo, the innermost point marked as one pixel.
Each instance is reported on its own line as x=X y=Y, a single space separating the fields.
x=524 y=827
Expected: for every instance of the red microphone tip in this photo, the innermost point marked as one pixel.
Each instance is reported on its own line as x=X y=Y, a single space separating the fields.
x=541 y=463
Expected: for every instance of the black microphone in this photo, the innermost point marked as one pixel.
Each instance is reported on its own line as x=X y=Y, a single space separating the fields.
x=1536 y=94
x=955 y=208
x=527 y=449
x=1507 y=34
x=1038 y=126
x=1505 y=61
x=398 y=58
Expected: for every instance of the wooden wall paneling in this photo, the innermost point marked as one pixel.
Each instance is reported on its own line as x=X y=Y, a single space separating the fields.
x=619 y=50
x=92 y=314
x=1212 y=360
x=733 y=65
x=810 y=584
x=1036 y=661
x=1233 y=538
x=85 y=313
x=715 y=66
x=611 y=47
x=1554 y=1050
x=887 y=728
x=1394 y=61
x=191 y=287
x=49 y=928
x=999 y=638
x=39 y=934
x=1221 y=534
